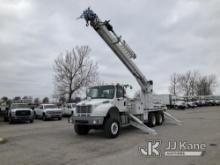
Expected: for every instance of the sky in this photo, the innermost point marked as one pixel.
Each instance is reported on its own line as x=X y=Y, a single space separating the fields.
x=167 y=36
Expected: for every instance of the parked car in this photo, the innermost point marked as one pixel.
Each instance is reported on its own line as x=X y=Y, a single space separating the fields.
x=210 y=102
x=48 y=111
x=19 y=112
x=191 y=104
x=217 y=102
x=69 y=109
x=180 y=104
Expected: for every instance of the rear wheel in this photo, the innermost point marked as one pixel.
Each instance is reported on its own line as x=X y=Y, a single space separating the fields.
x=6 y=116
x=81 y=129
x=159 y=118
x=44 y=117
x=151 y=119
x=111 y=128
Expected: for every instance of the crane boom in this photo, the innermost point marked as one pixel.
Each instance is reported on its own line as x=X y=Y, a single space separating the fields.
x=118 y=46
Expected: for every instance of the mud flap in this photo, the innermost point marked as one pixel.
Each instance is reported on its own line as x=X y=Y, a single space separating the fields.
x=172 y=117
x=135 y=122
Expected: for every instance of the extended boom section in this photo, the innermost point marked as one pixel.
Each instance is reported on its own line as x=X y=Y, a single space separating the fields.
x=118 y=46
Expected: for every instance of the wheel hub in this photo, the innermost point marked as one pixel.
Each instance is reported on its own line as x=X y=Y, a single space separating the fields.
x=114 y=128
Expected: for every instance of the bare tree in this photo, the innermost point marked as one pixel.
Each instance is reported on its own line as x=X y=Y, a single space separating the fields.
x=25 y=97
x=45 y=100
x=206 y=85
x=188 y=82
x=192 y=83
x=194 y=77
x=174 y=84
x=4 y=99
x=62 y=99
x=17 y=98
x=73 y=71
x=37 y=101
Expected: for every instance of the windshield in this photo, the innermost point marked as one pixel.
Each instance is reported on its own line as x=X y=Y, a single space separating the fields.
x=19 y=106
x=106 y=92
x=71 y=105
x=50 y=106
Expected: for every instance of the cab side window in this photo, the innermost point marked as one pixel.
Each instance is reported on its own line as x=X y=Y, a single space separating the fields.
x=120 y=92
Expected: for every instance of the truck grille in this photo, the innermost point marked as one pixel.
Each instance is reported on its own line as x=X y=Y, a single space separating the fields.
x=53 y=112
x=83 y=109
x=23 y=113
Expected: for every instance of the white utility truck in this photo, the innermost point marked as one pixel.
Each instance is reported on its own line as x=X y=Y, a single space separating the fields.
x=165 y=99
x=107 y=107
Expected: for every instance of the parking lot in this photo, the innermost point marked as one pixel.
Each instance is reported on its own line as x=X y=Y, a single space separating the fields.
x=54 y=142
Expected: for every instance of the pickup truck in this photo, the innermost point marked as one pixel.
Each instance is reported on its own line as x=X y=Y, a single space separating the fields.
x=48 y=111
x=69 y=109
x=180 y=104
x=19 y=112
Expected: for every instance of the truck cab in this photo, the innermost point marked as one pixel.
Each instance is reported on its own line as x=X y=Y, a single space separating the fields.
x=103 y=104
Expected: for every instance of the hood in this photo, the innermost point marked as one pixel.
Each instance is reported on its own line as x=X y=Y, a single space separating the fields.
x=52 y=109
x=93 y=102
x=180 y=103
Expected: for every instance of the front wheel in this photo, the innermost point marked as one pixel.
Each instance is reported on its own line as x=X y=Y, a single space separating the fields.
x=44 y=117
x=31 y=120
x=5 y=118
x=81 y=129
x=111 y=128
x=10 y=120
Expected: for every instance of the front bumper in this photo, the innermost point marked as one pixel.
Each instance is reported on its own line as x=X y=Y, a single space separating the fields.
x=88 y=120
x=22 y=118
x=50 y=116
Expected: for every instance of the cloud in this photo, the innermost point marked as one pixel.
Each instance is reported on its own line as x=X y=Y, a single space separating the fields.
x=167 y=36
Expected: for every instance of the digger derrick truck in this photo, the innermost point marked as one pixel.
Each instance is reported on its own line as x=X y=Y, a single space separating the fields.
x=107 y=107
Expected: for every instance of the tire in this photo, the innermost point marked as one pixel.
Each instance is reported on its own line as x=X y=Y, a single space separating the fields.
x=10 y=120
x=159 y=118
x=35 y=115
x=5 y=119
x=152 y=119
x=32 y=120
x=44 y=118
x=81 y=129
x=111 y=128
x=59 y=118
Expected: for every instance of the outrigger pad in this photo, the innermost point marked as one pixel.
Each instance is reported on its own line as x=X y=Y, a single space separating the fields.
x=137 y=123
x=173 y=118
x=143 y=128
